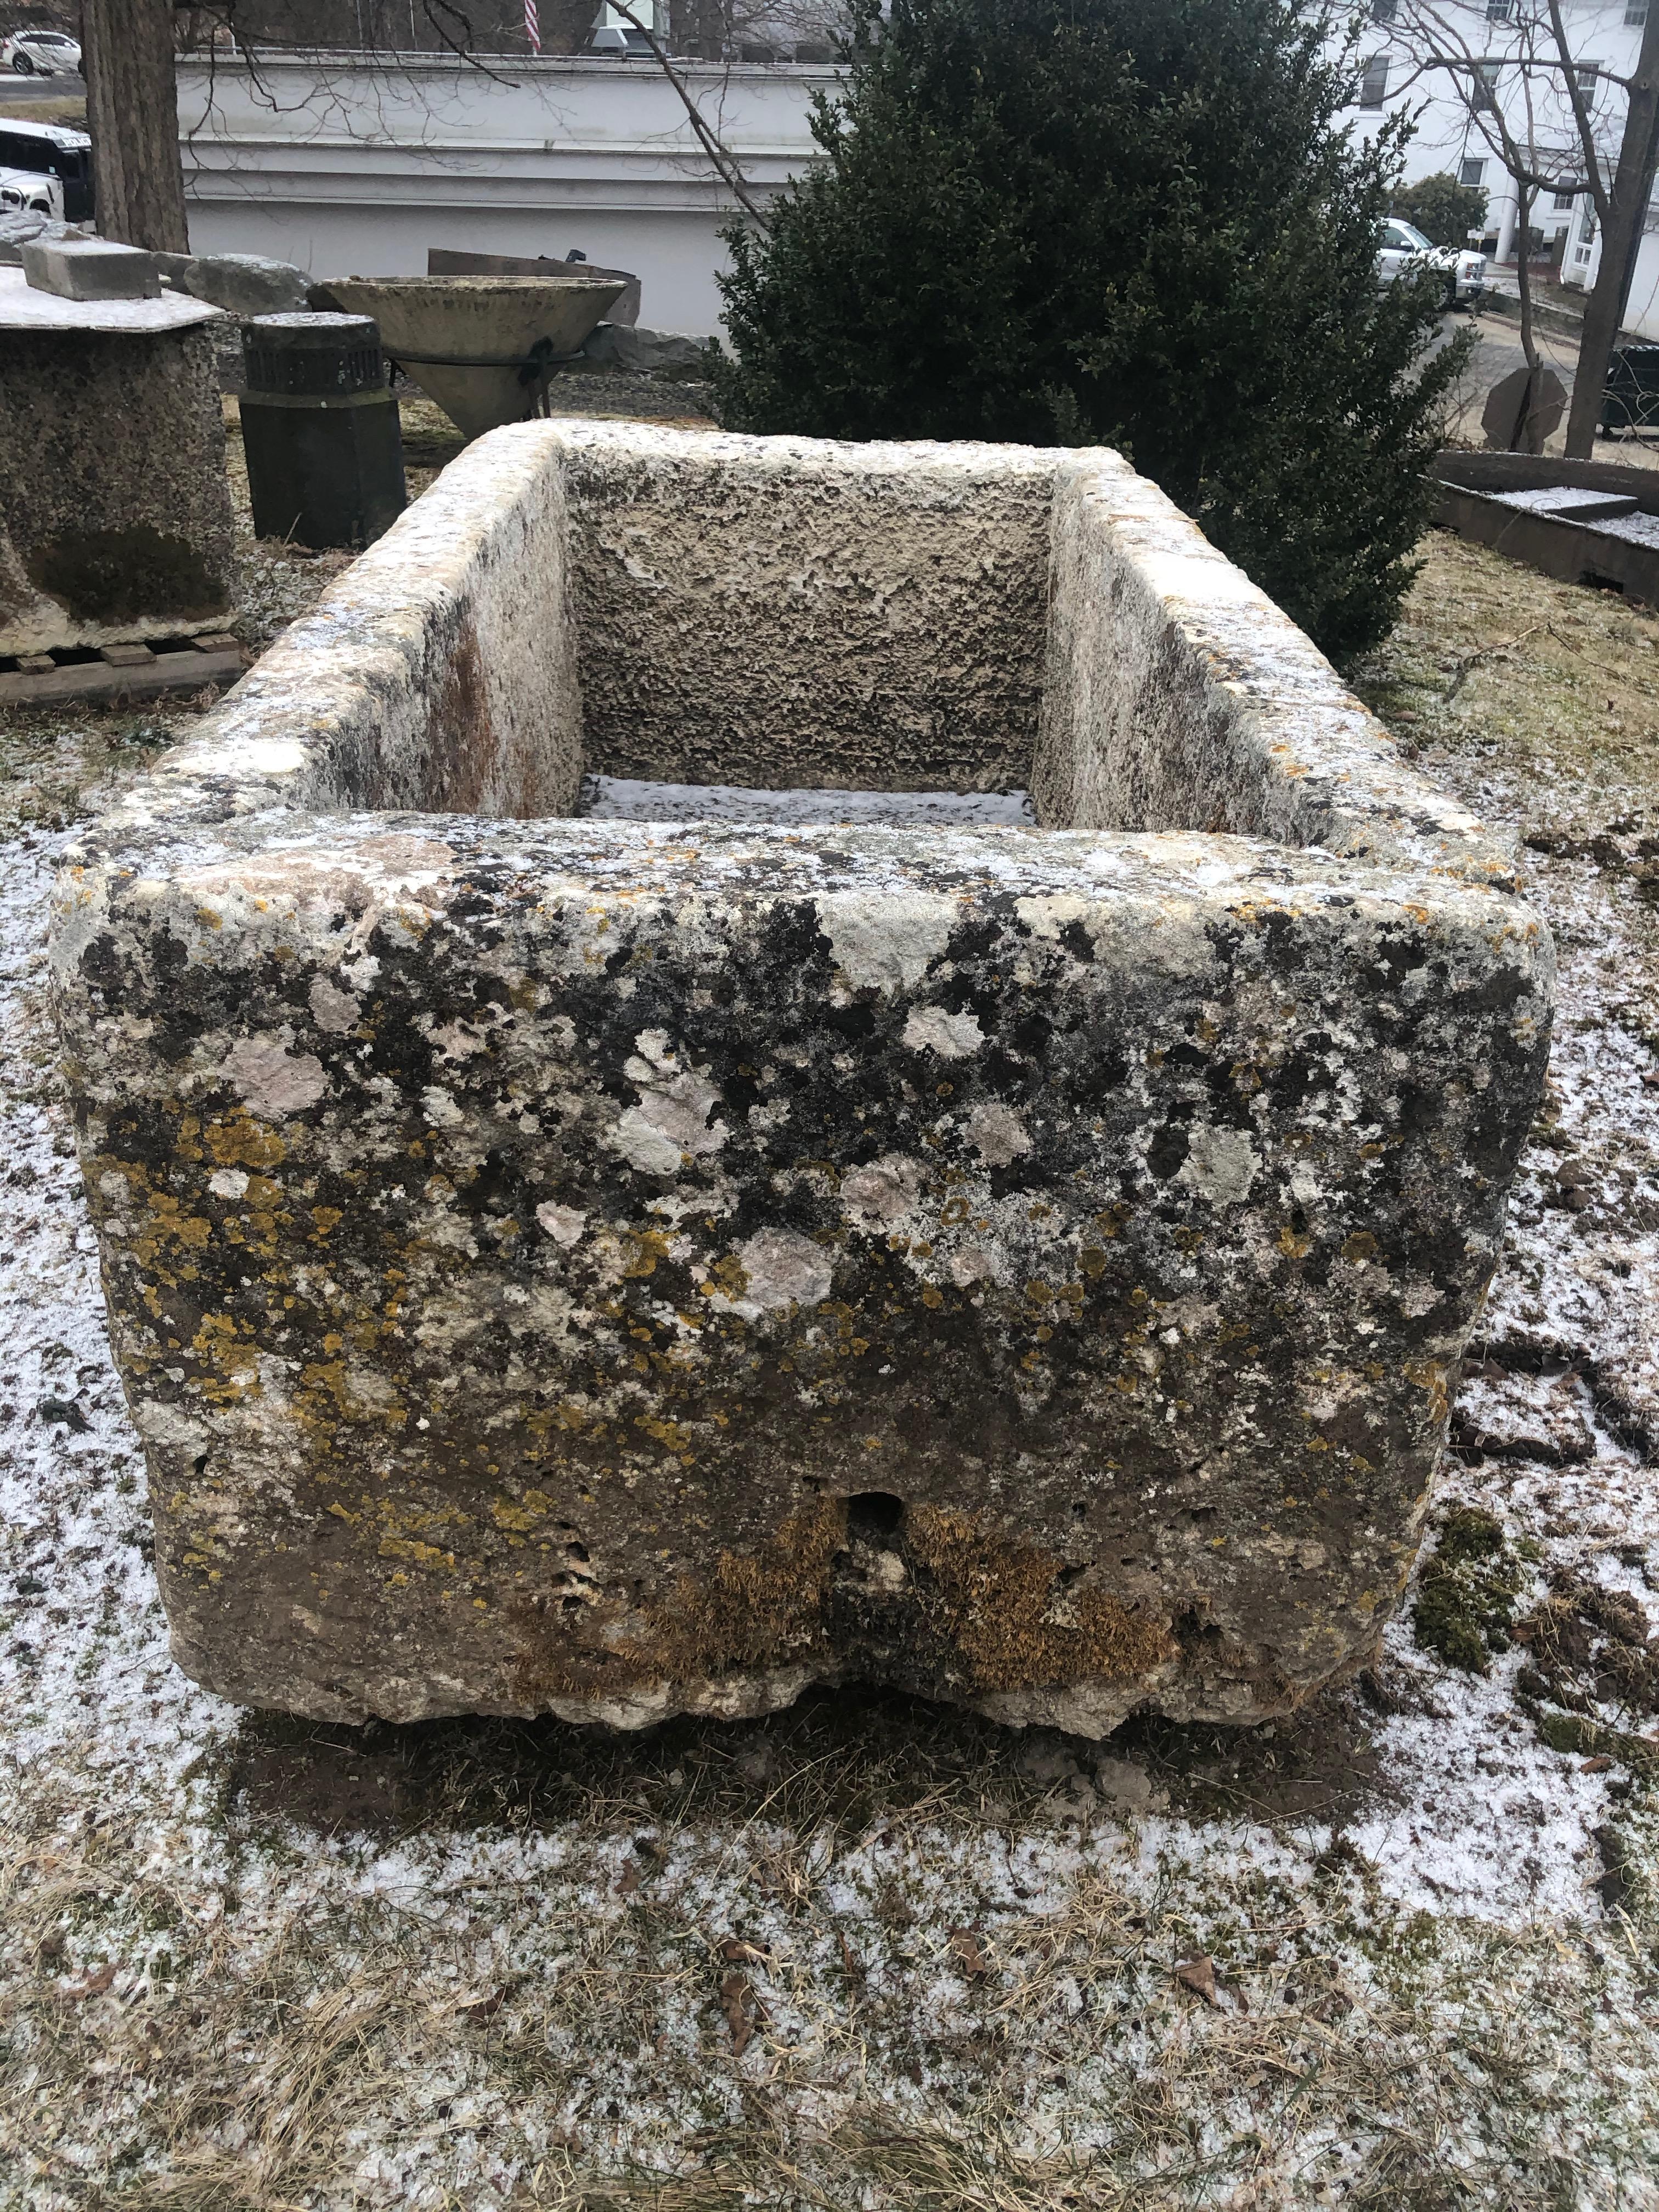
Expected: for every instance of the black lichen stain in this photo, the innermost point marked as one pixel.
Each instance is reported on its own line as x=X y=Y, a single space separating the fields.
x=120 y=575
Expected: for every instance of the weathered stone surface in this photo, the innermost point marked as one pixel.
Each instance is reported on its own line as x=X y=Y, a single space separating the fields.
x=742 y=619
x=624 y=346
x=617 y=1268
x=114 y=510
x=245 y=284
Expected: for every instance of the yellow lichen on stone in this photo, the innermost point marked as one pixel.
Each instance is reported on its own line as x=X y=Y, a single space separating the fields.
x=238 y=1140
x=1003 y=1607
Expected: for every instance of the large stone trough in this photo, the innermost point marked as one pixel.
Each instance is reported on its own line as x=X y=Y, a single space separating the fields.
x=617 y=1269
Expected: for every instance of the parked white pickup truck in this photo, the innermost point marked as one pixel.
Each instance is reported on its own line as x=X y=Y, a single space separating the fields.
x=25 y=192
x=1403 y=250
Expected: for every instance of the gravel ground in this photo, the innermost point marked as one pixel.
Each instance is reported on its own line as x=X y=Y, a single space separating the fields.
x=1399 y=1951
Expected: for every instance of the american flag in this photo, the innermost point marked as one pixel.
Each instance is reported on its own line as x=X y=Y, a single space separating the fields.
x=532 y=27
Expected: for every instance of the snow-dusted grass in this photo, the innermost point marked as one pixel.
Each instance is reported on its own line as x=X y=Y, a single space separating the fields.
x=1398 y=1952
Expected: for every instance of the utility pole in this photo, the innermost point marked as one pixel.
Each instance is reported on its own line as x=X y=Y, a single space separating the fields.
x=132 y=114
x=1622 y=235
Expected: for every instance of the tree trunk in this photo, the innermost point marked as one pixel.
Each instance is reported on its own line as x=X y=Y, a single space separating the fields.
x=1633 y=182
x=1523 y=280
x=132 y=113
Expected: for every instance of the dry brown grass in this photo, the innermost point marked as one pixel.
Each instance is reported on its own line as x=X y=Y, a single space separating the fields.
x=919 y=2039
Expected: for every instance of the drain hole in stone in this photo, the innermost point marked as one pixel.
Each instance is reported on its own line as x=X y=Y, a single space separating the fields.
x=874 y=1517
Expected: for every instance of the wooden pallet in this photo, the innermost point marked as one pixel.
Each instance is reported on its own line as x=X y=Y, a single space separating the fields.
x=121 y=671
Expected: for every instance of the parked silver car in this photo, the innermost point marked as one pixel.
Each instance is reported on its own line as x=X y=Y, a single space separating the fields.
x=1403 y=250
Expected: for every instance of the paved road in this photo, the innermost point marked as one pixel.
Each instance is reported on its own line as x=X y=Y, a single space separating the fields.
x=1499 y=351
x=16 y=90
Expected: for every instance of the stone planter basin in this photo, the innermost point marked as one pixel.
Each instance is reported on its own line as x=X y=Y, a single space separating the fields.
x=461 y=338
x=616 y=1268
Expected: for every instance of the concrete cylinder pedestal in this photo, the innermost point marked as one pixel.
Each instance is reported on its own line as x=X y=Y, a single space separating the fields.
x=319 y=428
x=115 y=520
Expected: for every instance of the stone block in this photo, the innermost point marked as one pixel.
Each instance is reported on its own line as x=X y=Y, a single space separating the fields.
x=618 y=345
x=615 y=1269
x=91 y=269
x=115 y=518
x=245 y=284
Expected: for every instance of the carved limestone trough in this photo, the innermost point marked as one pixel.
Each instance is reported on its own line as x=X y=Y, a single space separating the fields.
x=617 y=1268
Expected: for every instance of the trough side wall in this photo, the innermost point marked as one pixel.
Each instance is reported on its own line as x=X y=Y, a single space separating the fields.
x=784 y=613
x=439 y=672
x=1178 y=696
x=515 y=1316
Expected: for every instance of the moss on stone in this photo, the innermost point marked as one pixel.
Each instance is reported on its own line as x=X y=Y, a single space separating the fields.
x=1466 y=1595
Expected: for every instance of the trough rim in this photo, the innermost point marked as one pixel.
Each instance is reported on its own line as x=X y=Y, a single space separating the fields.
x=255 y=764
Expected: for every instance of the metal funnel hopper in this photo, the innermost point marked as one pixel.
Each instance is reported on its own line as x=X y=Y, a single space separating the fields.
x=472 y=343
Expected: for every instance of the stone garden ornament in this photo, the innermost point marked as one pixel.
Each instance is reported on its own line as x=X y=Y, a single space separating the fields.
x=615 y=1270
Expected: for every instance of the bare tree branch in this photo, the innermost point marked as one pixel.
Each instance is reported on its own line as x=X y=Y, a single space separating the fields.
x=1581 y=116
x=720 y=158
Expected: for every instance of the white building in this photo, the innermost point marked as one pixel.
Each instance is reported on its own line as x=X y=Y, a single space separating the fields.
x=1509 y=43
x=354 y=165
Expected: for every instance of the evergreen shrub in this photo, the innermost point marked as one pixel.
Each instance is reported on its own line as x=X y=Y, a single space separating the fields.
x=1138 y=223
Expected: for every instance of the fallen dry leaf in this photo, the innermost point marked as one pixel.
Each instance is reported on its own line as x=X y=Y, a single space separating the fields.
x=965 y=1942
x=1598 y=1765
x=470 y=2004
x=1198 y=1976
x=742 y=2008
x=94 y=1985
x=854 y=1970
x=630 y=1882
x=737 y=1952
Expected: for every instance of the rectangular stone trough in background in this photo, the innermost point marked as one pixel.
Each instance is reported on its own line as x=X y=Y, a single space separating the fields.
x=618 y=1268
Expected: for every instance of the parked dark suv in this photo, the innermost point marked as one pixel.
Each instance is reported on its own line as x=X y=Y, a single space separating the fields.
x=50 y=150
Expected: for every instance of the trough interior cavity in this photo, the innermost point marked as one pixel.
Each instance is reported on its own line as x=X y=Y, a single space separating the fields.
x=632 y=798
x=709 y=615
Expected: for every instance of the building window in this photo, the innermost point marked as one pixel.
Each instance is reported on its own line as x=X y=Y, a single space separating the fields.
x=1586 y=227
x=1588 y=73
x=1384 y=12
x=1485 y=84
x=1564 y=202
x=1374 y=83
x=1472 y=173
x=1636 y=14
x=1498 y=11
